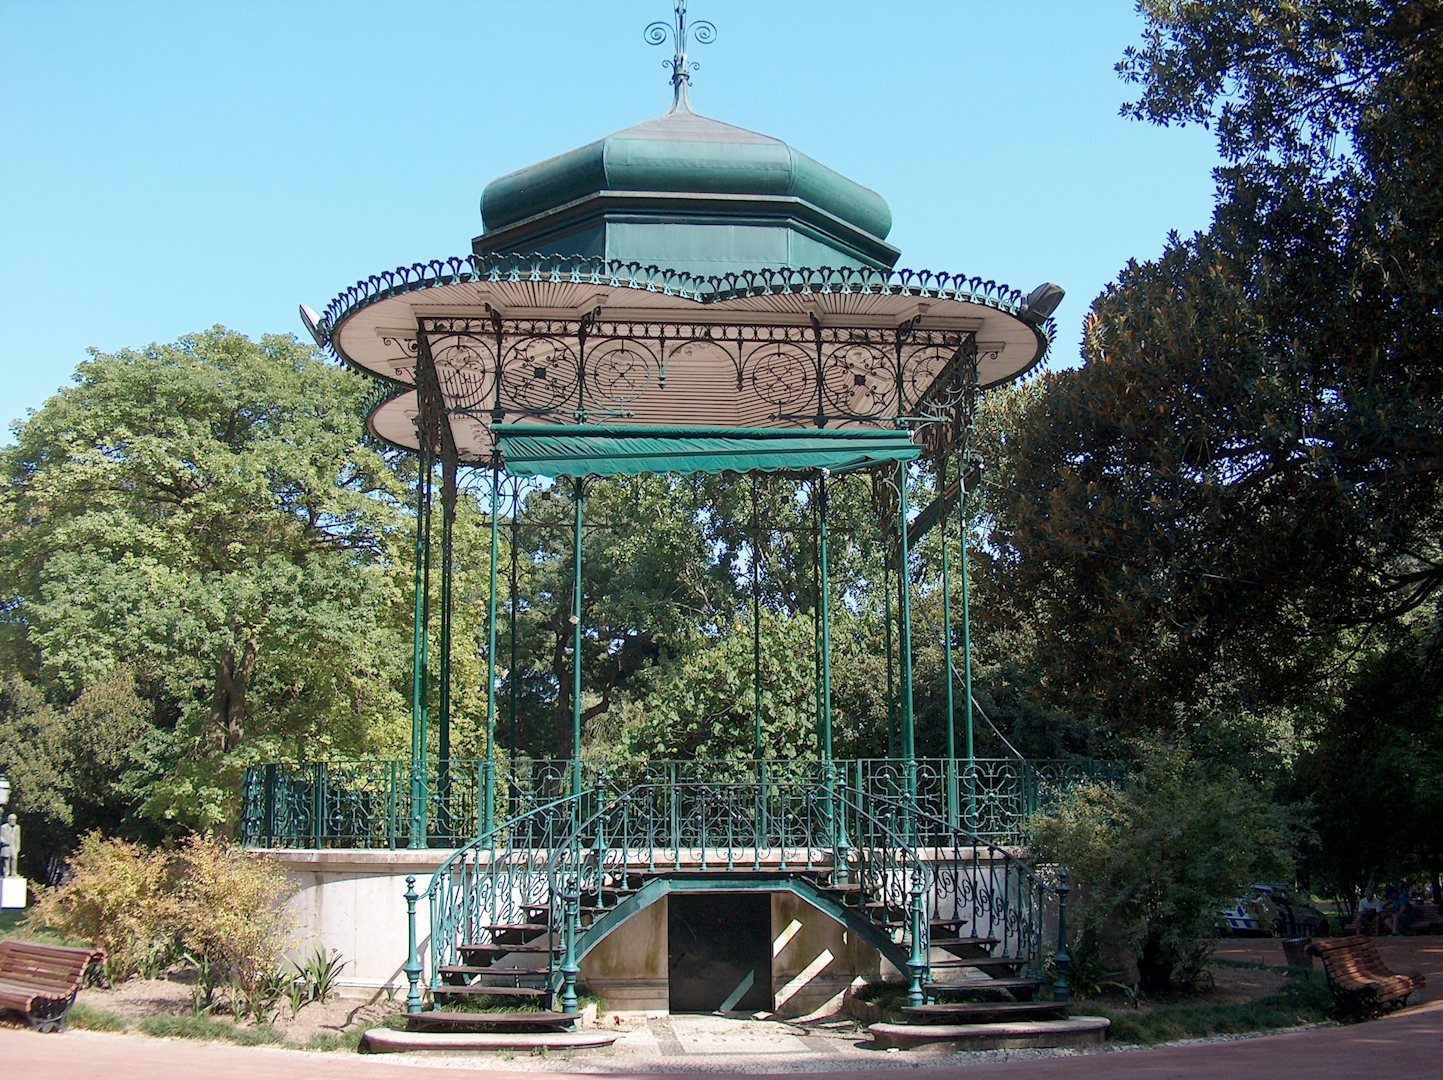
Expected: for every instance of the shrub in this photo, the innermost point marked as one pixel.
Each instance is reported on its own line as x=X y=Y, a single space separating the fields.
x=118 y=898
x=230 y=919
x=1154 y=859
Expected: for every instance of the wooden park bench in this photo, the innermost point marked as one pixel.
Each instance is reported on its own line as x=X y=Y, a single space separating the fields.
x=1361 y=984
x=41 y=981
x=1425 y=919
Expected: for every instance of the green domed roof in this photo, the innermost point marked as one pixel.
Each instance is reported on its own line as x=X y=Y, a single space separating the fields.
x=686 y=169
x=683 y=151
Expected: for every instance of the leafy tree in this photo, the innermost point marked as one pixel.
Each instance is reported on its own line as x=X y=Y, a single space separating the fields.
x=1248 y=463
x=1154 y=859
x=204 y=516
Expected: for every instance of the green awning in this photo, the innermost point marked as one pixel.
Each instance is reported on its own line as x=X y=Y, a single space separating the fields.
x=612 y=450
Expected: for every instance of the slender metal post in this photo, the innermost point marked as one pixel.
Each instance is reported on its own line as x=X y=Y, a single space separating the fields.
x=917 y=956
x=947 y=646
x=443 y=705
x=824 y=602
x=579 y=503
x=756 y=630
x=318 y=804
x=570 y=968
x=1062 y=961
x=967 y=651
x=892 y=734
x=268 y=810
x=824 y=605
x=418 y=815
x=513 y=682
x=488 y=767
x=413 y=958
x=904 y=660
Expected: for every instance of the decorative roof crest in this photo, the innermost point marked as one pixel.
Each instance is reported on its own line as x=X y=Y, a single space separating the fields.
x=679 y=30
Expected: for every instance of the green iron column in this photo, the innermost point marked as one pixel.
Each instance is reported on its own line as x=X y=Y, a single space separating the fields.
x=443 y=704
x=488 y=767
x=419 y=659
x=947 y=645
x=966 y=649
x=824 y=604
x=892 y=736
x=579 y=504
x=513 y=681
x=904 y=658
x=756 y=631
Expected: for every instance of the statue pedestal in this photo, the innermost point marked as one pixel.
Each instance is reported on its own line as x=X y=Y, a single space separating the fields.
x=12 y=892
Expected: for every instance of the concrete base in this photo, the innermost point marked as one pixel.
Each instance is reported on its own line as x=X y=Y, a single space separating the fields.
x=1027 y=1035
x=13 y=891
x=387 y=1041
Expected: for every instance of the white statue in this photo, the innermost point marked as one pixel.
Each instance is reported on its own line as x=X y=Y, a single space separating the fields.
x=9 y=847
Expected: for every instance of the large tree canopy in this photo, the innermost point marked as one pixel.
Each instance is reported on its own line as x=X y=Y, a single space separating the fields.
x=203 y=519
x=1249 y=460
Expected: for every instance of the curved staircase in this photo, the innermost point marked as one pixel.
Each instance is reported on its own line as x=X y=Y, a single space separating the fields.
x=514 y=912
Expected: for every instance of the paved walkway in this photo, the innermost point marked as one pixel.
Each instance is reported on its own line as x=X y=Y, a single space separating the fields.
x=1409 y=1044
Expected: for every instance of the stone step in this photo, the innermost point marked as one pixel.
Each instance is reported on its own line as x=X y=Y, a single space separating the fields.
x=518 y=928
x=534 y=1020
x=985 y=1012
x=387 y=1041
x=465 y=970
x=982 y=963
x=1013 y=1035
x=472 y=990
x=986 y=987
x=491 y=949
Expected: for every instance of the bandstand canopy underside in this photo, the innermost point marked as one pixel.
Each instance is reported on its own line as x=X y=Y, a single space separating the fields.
x=540 y=450
x=544 y=342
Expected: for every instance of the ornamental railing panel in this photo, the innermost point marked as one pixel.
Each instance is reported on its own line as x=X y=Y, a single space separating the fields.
x=367 y=804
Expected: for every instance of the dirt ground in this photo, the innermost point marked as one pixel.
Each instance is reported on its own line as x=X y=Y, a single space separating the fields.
x=140 y=998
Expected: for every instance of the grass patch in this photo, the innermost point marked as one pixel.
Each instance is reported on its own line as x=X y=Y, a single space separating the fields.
x=1303 y=1001
x=92 y=1018
x=16 y=924
x=211 y=1029
x=332 y=1042
x=887 y=995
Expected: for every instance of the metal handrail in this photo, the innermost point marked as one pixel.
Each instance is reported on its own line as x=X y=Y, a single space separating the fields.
x=599 y=843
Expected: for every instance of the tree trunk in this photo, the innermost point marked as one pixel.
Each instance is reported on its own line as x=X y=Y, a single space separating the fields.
x=228 y=706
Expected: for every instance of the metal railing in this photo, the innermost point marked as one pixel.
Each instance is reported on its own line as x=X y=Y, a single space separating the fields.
x=876 y=857
x=367 y=804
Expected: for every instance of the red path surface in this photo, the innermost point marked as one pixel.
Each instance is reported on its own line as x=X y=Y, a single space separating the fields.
x=1407 y=1044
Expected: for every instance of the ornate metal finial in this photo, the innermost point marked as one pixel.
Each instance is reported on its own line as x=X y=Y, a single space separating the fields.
x=701 y=32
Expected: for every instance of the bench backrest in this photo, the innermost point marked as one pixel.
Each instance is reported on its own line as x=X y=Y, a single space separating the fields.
x=1350 y=956
x=52 y=968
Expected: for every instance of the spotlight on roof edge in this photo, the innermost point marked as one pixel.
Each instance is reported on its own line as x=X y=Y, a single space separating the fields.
x=313 y=325
x=1041 y=302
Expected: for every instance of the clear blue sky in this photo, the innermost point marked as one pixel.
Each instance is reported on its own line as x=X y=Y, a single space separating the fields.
x=172 y=165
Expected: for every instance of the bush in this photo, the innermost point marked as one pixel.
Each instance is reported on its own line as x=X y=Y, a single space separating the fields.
x=217 y=904
x=1154 y=859
x=118 y=899
x=230 y=920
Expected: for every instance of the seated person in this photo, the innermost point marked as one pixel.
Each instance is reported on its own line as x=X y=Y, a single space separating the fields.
x=1399 y=910
x=1369 y=912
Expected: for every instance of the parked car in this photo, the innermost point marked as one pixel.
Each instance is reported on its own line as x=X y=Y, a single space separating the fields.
x=1276 y=910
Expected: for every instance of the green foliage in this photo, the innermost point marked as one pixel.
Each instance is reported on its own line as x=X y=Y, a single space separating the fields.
x=119 y=899
x=209 y=1029
x=203 y=519
x=1154 y=859
x=319 y=974
x=332 y=1042
x=213 y=903
x=87 y=1017
x=1299 y=1002
x=229 y=917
